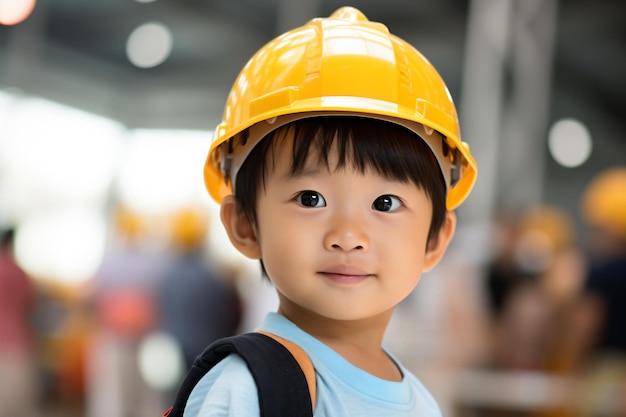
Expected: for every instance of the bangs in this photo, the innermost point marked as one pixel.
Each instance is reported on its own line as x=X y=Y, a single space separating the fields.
x=386 y=148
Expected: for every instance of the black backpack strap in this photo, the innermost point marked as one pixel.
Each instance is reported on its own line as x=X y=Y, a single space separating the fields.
x=281 y=384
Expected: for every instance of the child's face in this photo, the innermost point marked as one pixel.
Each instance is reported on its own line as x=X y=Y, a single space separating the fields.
x=339 y=243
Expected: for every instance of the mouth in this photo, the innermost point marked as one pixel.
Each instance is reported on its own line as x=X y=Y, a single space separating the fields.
x=345 y=275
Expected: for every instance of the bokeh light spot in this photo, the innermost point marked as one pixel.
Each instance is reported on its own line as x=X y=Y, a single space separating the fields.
x=570 y=143
x=13 y=12
x=149 y=45
x=64 y=245
x=160 y=361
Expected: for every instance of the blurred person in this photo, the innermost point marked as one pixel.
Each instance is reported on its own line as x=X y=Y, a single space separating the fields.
x=198 y=302
x=503 y=274
x=603 y=307
x=534 y=283
x=533 y=286
x=603 y=207
x=18 y=374
x=124 y=299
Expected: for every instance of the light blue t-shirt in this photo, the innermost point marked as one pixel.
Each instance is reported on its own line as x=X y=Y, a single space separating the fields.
x=342 y=389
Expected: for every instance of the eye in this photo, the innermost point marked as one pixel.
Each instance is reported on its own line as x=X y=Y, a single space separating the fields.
x=310 y=199
x=387 y=203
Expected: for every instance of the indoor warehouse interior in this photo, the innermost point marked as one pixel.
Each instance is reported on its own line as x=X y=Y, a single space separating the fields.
x=107 y=110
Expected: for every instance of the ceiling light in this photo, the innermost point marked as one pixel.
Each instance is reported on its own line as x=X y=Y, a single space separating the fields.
x=149 y=45
x=13 y=12
x=569 y=142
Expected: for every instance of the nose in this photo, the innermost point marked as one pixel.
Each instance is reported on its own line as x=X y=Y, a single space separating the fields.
x=347 y=234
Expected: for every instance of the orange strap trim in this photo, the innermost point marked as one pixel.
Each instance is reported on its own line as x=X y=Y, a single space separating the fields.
x=303 y=360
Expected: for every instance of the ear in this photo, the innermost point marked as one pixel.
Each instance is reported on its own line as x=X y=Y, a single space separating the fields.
x=439 y=243
x=240 y=230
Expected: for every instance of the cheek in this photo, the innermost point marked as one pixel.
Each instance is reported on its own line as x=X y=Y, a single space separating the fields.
x=405 y=250
x=283 y=243
x=410 y=238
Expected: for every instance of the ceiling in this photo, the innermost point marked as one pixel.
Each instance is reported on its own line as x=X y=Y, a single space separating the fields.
x=73 y=52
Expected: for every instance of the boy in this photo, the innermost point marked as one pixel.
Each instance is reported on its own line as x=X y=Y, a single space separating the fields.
x=337 y=165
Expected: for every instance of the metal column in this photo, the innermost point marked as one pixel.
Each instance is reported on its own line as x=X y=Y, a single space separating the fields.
x=505 y=101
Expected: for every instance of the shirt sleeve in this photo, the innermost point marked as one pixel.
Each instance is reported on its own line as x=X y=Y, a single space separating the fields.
x=227 y=390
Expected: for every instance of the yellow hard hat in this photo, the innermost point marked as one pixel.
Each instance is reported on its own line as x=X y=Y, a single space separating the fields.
x=129 y=224
x=603 y=203
x=551 y=222
x=189 y=228
x=340 y=65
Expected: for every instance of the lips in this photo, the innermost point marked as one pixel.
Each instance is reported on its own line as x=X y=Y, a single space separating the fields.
x=344 y=274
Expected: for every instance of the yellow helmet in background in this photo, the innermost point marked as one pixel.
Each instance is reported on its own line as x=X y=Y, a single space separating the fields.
x=128 y=223
x=340 y=65
x=553 y=223
x=603 y=203
x=188 y=228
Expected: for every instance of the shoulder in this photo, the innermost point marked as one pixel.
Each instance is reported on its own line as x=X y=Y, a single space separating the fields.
x=424 y=398
x=228 y=389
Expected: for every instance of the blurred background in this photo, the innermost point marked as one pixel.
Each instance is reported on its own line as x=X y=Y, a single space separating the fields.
x=115 y=270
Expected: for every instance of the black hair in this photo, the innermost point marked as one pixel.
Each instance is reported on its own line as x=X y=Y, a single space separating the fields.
x=389 y=149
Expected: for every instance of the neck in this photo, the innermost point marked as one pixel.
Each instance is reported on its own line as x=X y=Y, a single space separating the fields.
x=357 y=341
